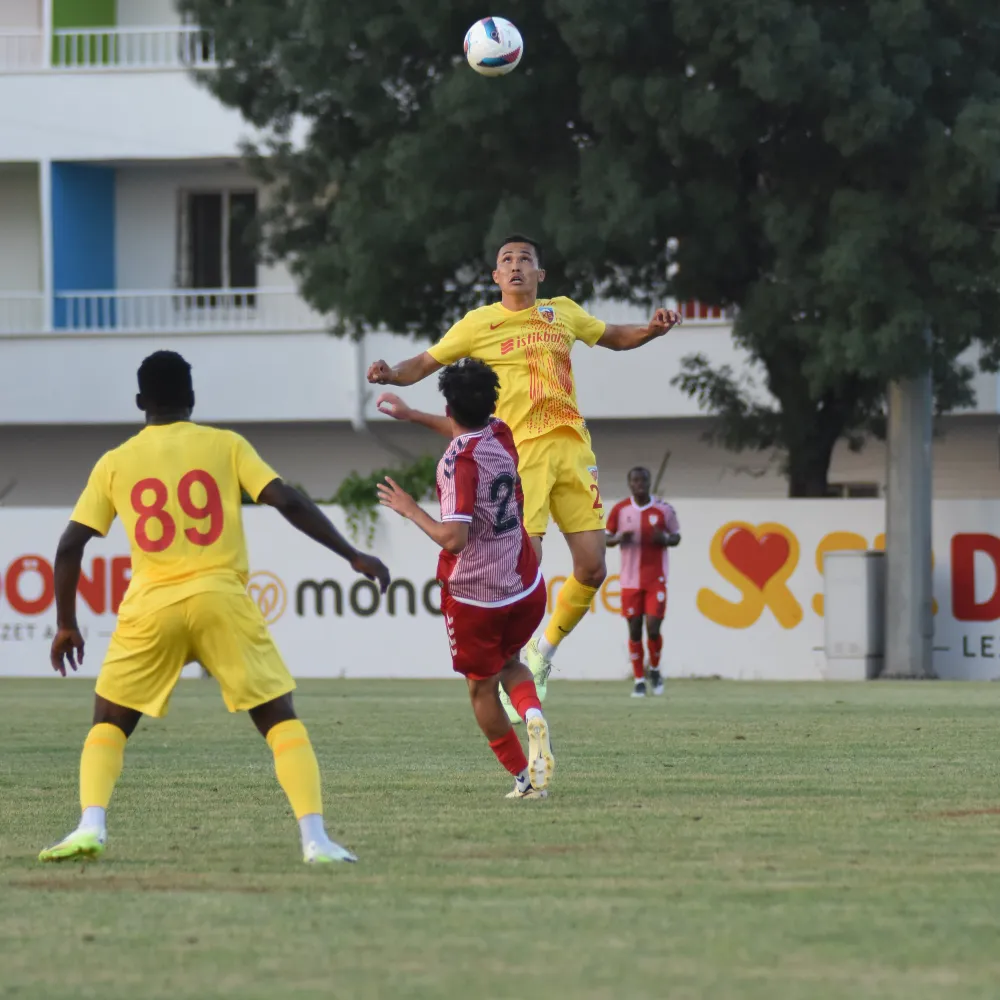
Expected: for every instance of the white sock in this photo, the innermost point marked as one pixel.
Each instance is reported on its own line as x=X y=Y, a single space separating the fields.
x=546 y=648
x=312 y=829
x=523 y=781
x=532 y=713
x=94 y=818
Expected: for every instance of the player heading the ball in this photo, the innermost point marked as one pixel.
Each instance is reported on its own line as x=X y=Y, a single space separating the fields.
x=527 y=341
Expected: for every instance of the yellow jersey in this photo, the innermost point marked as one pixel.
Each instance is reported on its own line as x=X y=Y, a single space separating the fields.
x=177 y=489
x=529 y=350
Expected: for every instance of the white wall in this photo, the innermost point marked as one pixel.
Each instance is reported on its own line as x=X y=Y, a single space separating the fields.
x=732 y=611
x=20 y=228
x=129 y=115
x=146 y=13
x=21 y=13
x=90 y=380
x=146 y=219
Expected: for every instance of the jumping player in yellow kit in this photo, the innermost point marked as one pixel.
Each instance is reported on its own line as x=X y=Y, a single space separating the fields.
x=177 y=488
x=527 y=341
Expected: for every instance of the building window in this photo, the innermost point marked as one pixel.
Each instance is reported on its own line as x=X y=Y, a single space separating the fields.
x=216 y=247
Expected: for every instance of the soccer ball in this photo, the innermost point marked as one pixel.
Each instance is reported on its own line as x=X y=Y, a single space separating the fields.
x=493 y=46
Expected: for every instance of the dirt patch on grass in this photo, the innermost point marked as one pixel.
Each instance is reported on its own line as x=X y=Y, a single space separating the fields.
x=962 y=813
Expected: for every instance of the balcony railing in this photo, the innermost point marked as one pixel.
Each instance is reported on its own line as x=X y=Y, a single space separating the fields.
x=22 y=312
x=20 y=50
x=184 y=311
x=178 y=311
x=179 y=46
x=195 y=311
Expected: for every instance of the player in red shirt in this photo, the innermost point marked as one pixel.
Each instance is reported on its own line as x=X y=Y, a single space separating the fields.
x=645 y=527
x=492 y=592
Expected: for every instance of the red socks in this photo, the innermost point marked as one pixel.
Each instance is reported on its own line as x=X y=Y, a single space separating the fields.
x=655 y=648
x=508 y=749
x=525 y=696
x=635 y=658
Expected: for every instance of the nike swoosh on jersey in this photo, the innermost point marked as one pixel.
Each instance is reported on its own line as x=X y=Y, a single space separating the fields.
x=493 y=326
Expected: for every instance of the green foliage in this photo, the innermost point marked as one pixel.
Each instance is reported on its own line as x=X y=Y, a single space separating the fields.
x=831 y=169
x=358 y=496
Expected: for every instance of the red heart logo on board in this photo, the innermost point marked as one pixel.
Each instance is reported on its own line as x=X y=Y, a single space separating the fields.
x=758 y=559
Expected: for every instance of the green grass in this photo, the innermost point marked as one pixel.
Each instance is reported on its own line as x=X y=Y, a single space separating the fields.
x=729 y=841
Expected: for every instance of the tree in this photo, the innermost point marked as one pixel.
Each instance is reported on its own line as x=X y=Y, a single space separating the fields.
x=831 y=170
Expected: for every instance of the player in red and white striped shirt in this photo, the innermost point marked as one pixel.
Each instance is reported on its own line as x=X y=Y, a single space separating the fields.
x=646 y=528
x=492 y=594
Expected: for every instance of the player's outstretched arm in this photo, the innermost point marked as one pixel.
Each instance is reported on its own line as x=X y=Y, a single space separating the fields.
x=405 y=373
x=452 y=536
x=627 y=337
x=390 y=404
x=67 y=646
x=300 y=512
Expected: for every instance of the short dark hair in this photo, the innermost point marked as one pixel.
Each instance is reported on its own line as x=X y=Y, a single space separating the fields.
x=470 y=388
x=521 y=238
x=165 y=381
x=639 y=468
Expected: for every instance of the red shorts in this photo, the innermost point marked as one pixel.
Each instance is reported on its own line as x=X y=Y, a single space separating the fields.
x=483 y=640
x=652 y=602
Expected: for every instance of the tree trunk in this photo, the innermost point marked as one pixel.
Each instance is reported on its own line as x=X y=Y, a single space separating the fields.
x=808 y=471
x=810 y=442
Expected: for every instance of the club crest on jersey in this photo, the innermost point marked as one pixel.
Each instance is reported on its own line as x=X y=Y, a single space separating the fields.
x=547 y=313
x=592 y=469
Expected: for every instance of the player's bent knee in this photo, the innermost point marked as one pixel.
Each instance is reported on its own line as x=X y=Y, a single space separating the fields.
x=265 y=717
x=591 y=574
x=109 y=713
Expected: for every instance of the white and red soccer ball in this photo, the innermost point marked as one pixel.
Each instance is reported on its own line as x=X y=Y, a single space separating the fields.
x=493 y=46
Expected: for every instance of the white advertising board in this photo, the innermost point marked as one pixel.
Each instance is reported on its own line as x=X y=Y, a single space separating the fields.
x=745 y=594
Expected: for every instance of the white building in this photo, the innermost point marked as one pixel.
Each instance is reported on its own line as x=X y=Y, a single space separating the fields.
x=120 y=194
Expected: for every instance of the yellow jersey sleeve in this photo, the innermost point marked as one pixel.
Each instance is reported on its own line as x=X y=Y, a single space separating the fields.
x=455 y=344
x=254 y=473
x=96 y=507
x=580 y=323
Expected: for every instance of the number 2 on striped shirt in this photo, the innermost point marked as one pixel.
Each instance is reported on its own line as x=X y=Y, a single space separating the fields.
x=501 y=493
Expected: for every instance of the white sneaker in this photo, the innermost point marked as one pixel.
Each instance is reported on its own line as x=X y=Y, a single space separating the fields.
x=639 y=691
x=529 y=793
x=540 y=668
x=541 y=763
x=657 y=679
x=326 y=854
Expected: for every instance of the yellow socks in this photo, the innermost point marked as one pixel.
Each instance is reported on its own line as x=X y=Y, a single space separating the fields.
x=296 y=767
x=572 y=603
x=100 y=765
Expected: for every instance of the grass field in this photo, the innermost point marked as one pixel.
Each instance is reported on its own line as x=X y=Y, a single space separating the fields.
x=729 y=841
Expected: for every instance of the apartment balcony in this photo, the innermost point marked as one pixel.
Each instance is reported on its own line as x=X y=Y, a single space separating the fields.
x=109 y=79
x=197 y=311
x=181 y=312
x=170 y=47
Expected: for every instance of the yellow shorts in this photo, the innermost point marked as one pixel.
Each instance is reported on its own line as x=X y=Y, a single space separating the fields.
x=559 y=476
x=223 y=632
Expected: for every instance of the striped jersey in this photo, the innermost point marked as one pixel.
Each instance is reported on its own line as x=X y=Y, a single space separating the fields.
x=477 y=483
x=644 y=563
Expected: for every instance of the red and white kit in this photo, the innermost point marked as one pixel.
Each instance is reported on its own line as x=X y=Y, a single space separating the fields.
x=644 y=563
x=493 y=595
